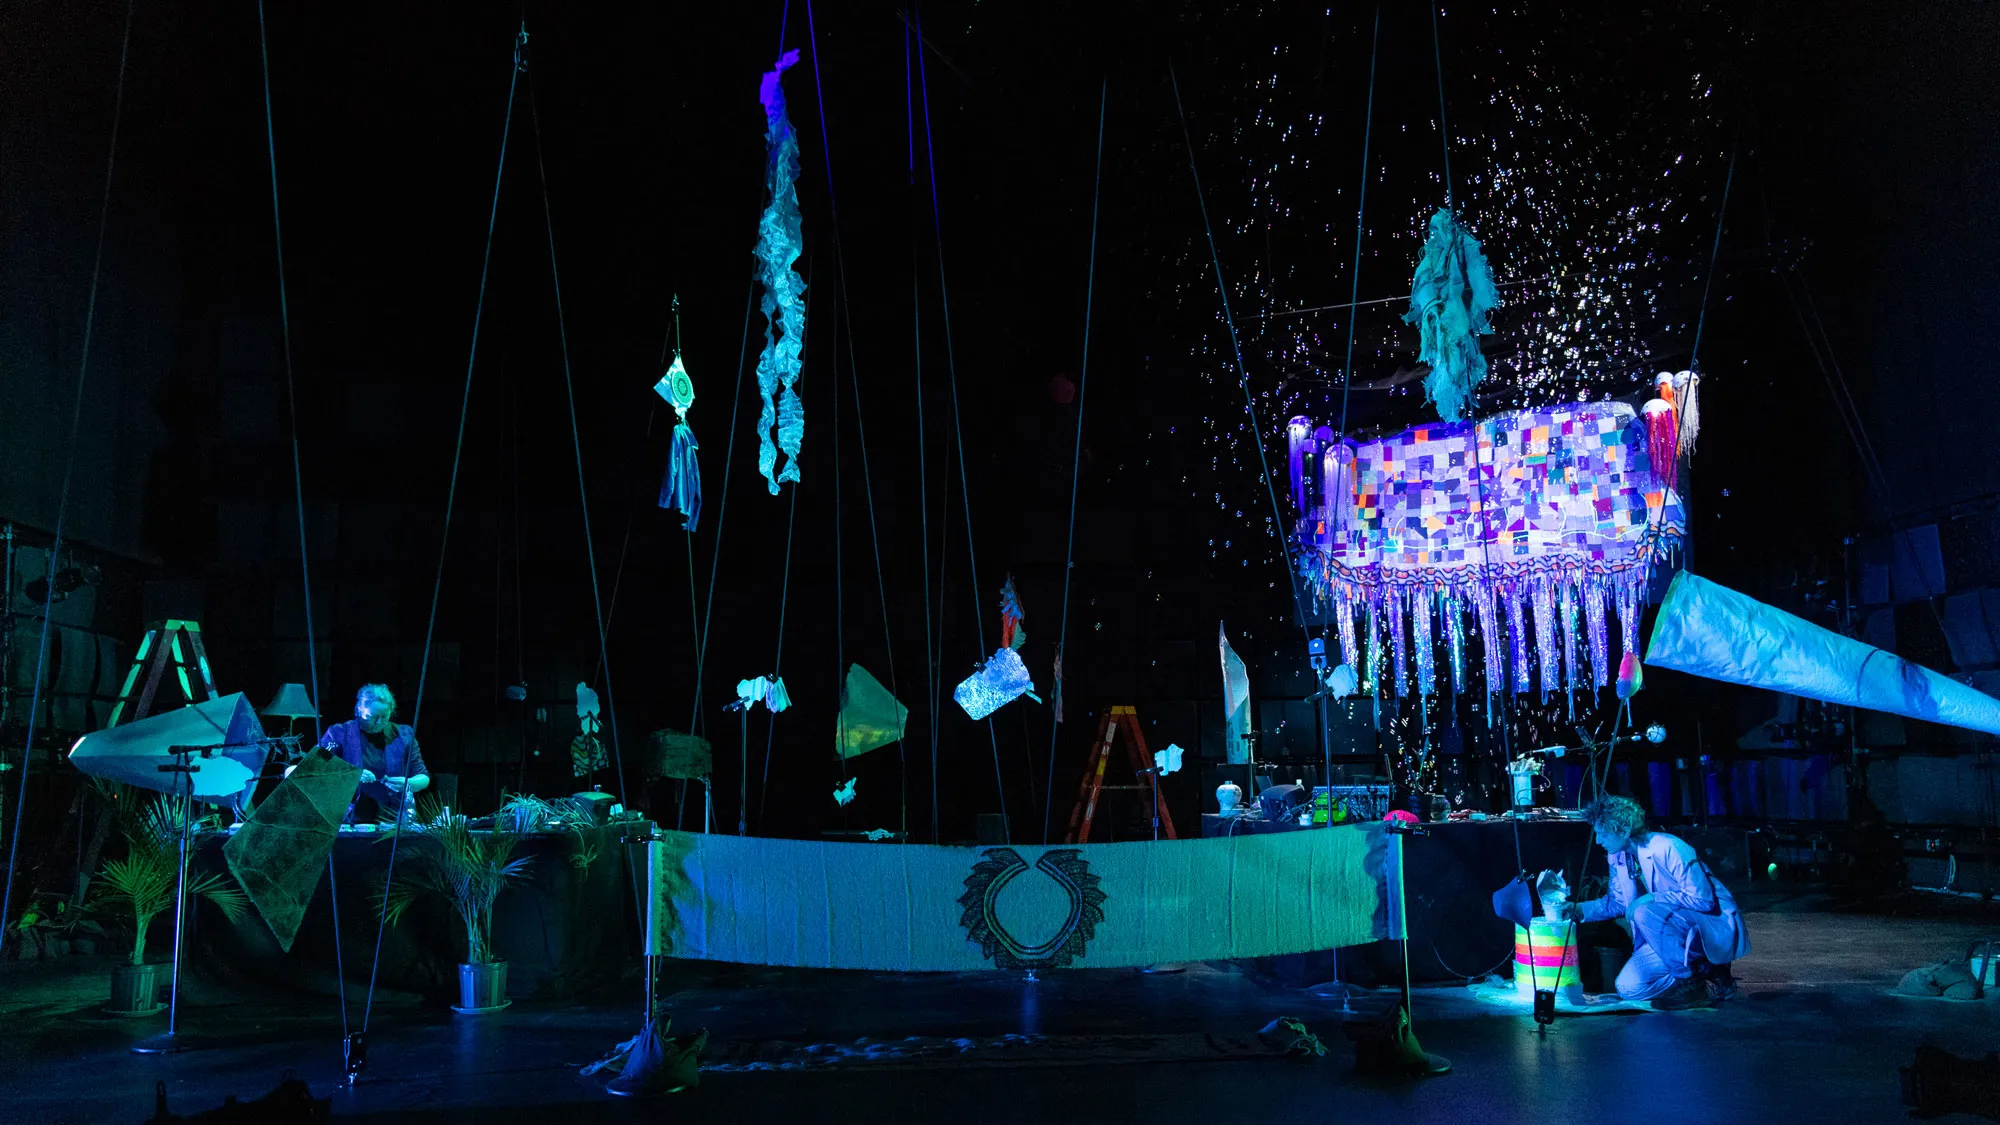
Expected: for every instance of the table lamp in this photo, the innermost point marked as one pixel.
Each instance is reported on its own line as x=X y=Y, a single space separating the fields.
x=291 y=705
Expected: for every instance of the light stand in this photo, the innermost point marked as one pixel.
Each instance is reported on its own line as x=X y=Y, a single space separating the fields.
x=742 y=707
x=170 y=1042
x=1316 y=652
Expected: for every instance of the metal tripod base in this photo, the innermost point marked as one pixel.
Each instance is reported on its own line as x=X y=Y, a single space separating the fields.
x=166 y=1043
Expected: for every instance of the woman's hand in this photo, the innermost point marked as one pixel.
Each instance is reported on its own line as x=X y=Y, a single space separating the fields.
x=368 y=777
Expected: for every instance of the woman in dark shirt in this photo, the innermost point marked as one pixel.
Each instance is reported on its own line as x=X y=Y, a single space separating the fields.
x=392 y=768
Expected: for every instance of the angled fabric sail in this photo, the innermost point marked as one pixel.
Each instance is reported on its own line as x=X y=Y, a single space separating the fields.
x=870 y=718
x=1235 y=702
x=1713 y=631
x=281 y=850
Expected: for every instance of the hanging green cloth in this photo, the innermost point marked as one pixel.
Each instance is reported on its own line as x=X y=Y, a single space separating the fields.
x=1449 y=298
x=870 y=717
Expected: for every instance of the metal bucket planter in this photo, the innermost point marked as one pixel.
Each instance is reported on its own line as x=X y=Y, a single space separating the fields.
x=135 y=991
x=482 y=988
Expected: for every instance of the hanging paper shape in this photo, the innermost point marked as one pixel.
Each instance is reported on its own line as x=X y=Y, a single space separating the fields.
x=870 y=717
x=670 y=753
x=1663 y=442
x=681 y=490
x=1631 y=676
x=1003 y=680
x=768 y=690
x=1167 y=761
x=1342 y=682
x=843 y=793
x=586 y=751
x=1687 y=386
x=1011 y=634
x=1450 y=297
x=1558 y=502
x=1235 y=702
x=779 y=240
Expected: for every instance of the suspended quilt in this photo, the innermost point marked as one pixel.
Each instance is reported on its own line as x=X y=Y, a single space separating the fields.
x=1539 y=524
x=779 y=241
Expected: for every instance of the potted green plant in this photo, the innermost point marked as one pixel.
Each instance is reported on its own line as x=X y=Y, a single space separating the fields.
x=470 y=869
x=140 y=886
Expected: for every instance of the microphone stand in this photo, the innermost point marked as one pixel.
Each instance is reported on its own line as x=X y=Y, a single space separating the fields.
x=170 y=1042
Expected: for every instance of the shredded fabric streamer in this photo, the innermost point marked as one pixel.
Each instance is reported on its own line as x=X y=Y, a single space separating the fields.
x=1003 y=680
x=779 y=241
x=768 y=690
x=1450 y=297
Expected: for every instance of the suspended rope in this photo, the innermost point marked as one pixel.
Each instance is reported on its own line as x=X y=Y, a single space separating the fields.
x=931 y=648
x=1076 y=457
x=951 y=366
x=69 y=476
x=576 y=444
x=1360 y=221
x=778 y=661
x=1444 y=129
x=298 y=482
x=860 y=418
x=1236 y=348
x=450 y=499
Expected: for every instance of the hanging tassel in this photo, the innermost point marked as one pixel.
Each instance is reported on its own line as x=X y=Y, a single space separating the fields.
x=1517 y=637
x=1631 y=587
x=779 y=240
x=1453 y=612
x=1350 y=653
x=1491 y=642
x=1374 y=672
x=1548 y=659
x=681 y=489
x=1662 y=431
x=1687 y=385
x=1450 y=297
x=1422 y=606
x=1392 y=598
x=1594 y=627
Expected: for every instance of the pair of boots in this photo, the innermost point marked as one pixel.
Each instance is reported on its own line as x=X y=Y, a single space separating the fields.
x=1708 y=986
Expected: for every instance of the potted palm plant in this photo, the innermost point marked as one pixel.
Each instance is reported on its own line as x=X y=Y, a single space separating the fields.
x=140 y=887
x=470 y=869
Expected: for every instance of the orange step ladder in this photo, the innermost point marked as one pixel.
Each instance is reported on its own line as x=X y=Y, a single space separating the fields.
x=1117 y=719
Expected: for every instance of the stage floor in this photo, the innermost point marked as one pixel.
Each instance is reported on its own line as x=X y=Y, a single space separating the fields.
x=1815 y=1036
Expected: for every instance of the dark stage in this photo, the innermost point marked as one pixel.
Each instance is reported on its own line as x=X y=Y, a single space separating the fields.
x=1815 y=1036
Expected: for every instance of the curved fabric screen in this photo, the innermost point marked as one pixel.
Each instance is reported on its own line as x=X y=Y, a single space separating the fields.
x=917 y=908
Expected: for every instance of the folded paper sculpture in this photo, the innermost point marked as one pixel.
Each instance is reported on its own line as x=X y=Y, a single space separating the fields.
x=1235 y=703
x=279 y=853
x=133 y=752
x=1003 y=680
x=673 y=754
x=1539 y=526
x=869 y=716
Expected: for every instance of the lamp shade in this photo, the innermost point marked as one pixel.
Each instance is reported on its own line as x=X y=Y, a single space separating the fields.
x=291 y=703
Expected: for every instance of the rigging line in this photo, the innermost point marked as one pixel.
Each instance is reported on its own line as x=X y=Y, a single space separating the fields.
x=298 y=477
x=69 y=475
x=951 y=365
x=923 y=471
x=1444 y=130
x=576 y=443
x=784 y=599
x=1243 y=372
x=1360 y=217
x=450 y=497
x=1714 y=252
x=1076 y=457
x=625 y=545
x=722 y=513
x=860 y=420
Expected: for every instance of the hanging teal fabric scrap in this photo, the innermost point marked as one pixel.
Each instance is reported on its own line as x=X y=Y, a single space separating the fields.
x=681 y=490
x=779 y=241
x=1450 y=297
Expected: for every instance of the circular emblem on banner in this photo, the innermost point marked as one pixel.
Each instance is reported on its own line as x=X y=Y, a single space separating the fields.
x=998 y=867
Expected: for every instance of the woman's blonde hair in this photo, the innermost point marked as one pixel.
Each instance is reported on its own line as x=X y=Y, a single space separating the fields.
x=1621 y=814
